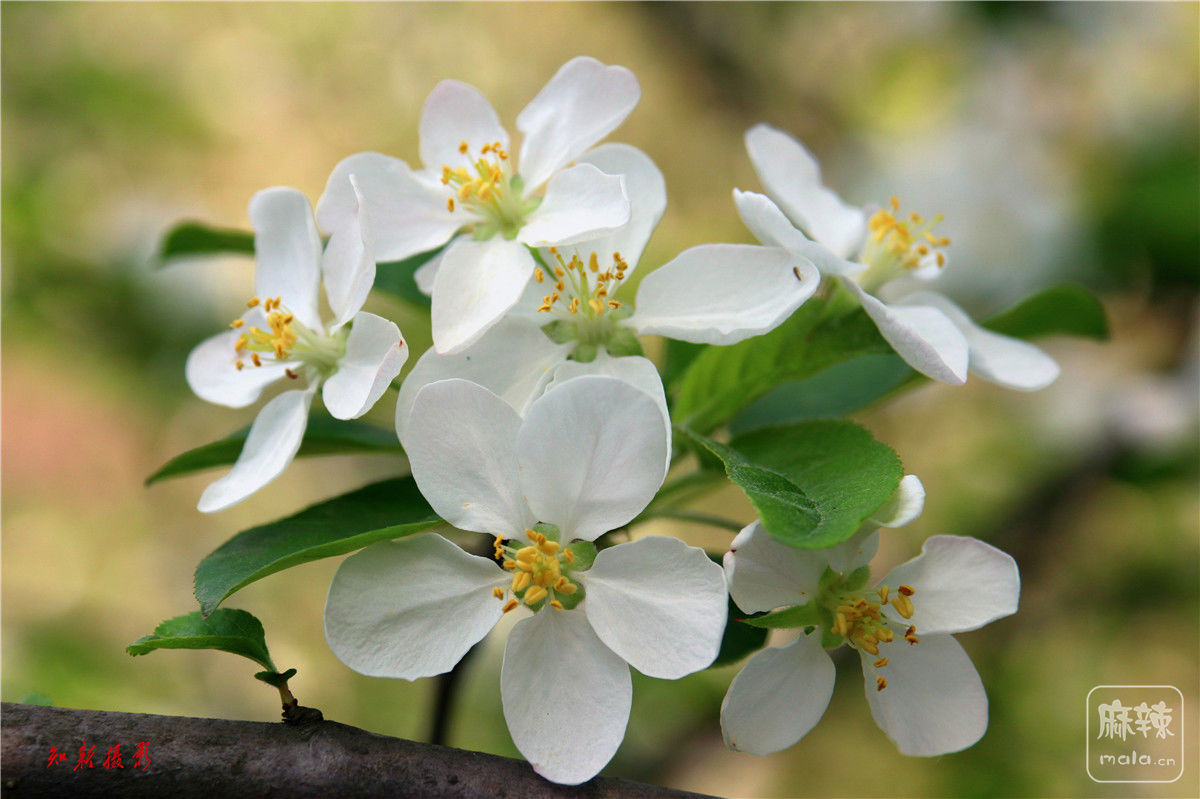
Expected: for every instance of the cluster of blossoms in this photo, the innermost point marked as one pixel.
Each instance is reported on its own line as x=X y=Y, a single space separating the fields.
x=536 y=419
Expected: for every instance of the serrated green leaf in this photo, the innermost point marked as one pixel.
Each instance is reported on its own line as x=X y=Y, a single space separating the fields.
x=190 y=239
x=228 y=630
x=398 y=277
x=721 y=381
x=379 y=512
x=800 y=616
x=323 y=436
x=838 y=466
x=1067 y=309
x=780 y=503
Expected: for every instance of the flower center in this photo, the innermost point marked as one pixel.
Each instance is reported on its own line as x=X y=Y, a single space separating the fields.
x=287 y=340
x=541 y=573
x=858 y=619
x=487 y=188
x=896 y=244
x=581 y=308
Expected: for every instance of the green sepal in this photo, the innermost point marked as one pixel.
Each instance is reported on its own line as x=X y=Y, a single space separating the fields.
x=622 y=341
x=584 y=553
x=857 y=578
x=559 y=331
x=585 y=353
x=829 y=579
x=227 y=630
x=739 y=639
x=277 y=679
x=570 y=601
x=830 y=639
x=551 y=532
x=1065 y=310
x=799 y=616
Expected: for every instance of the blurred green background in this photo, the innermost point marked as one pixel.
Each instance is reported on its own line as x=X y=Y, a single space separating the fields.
x=1060 y=141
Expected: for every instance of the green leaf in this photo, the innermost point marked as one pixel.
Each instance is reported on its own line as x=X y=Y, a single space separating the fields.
x=775 y=497
x=378 y=512
x=228 y=630
x=721 y=381
x=1066 y=309
x=398 y=277
x=193 y=239
x=323 y=436
x=840 y=390
x=799 y=616
x=739 y=639
x=838 y=465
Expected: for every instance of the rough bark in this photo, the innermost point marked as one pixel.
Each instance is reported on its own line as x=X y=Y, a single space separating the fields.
x=207 y=758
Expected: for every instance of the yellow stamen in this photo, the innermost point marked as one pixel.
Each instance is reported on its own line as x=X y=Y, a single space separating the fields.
x=521 y=581
x=556 y=604
x=883 y=594
x=906 y=590
x=880 y=683
x=879 y=664
x=539 y=275
x=498 y=592
x=450 y=204
x=535 y=594
x=253 y=301
x=512 y=603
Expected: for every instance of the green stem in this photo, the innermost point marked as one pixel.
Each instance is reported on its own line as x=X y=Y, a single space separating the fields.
x=675 y=492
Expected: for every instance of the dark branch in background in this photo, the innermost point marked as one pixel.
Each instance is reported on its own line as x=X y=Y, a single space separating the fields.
x=203 y=758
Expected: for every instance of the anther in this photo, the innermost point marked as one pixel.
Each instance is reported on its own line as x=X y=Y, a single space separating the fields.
x=569 y=555
x=883 y=594
x=539 y=275
x=906 y=590
x=498 y=592
x=796 y=272
x=240 y=366
x=880 y=683
x=554 y=603
x=879 y=664
x=512 y=603
x=253 y=301
x=520 y=581
x=462 y=147
x=535 y=594
x=254 y=357
x=236 y=323
x=291 y=374
x=450 y=204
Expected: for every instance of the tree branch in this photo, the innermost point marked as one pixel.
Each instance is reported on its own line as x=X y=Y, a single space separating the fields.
x=203 y=758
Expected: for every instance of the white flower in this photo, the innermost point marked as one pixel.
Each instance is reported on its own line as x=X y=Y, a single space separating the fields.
x=866 y=254
x=470 y=186
x=587 y=458
x=355 y=355
x=713 y=293
x=921 y=686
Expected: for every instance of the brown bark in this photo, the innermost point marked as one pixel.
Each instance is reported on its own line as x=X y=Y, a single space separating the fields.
x=217 y=759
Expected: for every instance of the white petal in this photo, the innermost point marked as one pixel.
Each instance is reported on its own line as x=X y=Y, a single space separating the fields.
x=723 y=293
x=375 y=352
x=410 y=608
x=270 y=446
x=454 y=113
x=1008 y=361
x=778 y=697
x=922 y=336
x=566 y=696
x=461 y=444
x=854 y=552
x=348 y=268
x=213 y=374
x=512 y=360
x=584 y=102
x=476 y=283
x=659 y=604
x=934 y=702
x=592 y=453
x=633 y=369
x=287 y=251
x=764 y=574
x=905 y=504
x=772 y=228
x=427 y=272
x=581 y=203
x=793 y=179
x=960 y=583
x=647 y=192
x=406 y=212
